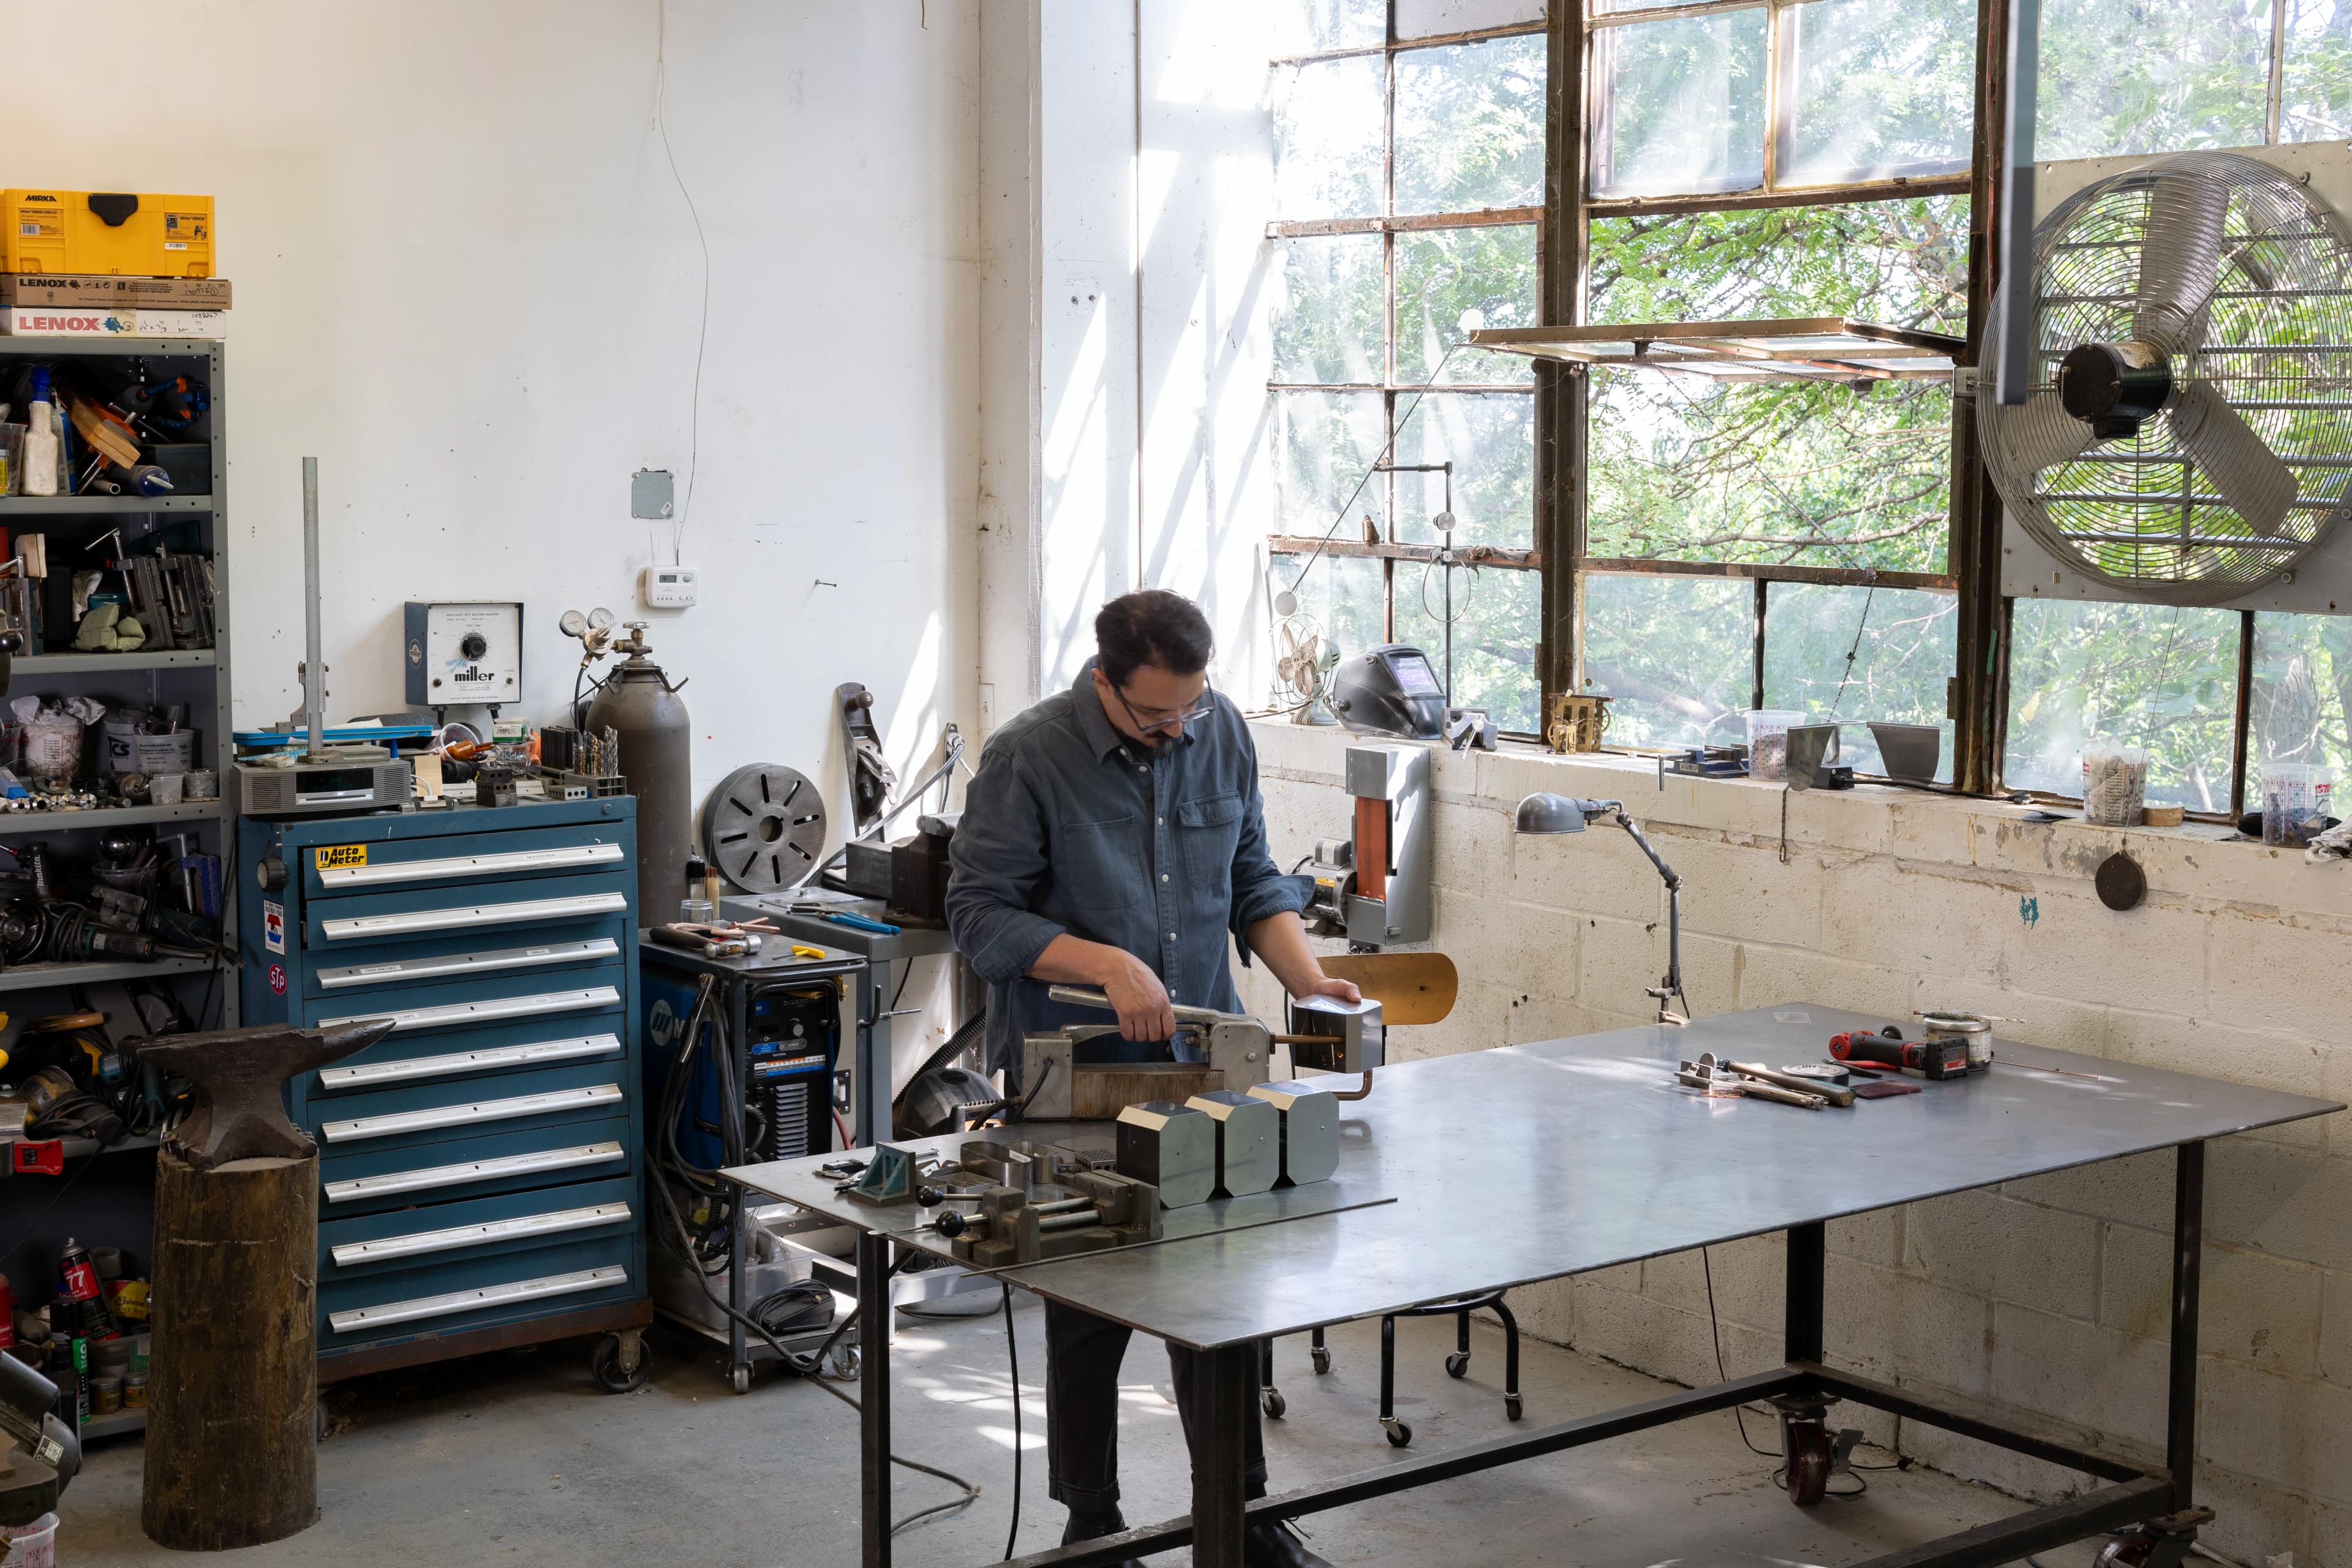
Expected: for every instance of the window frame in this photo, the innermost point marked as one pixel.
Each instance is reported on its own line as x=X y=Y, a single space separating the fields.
x=1389 y=224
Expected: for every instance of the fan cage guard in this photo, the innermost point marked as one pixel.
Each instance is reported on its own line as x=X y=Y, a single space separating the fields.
x=2140 y=512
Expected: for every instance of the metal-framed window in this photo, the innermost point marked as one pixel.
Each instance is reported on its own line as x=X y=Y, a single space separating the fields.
x=1410 y=173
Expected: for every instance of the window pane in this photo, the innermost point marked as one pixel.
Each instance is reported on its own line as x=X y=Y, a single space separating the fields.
x=1677 y=654
x=2303 y=675
x=1683 y=108
x=1310 y=27
x=1343 y=593
x=1498 y=621
x=1428 y=18
x=1490 y=438
x=1808 y=474
x=1326 y=139
x=1326 y=323
x=1470 y=126
x=2316 y=103
x=2155 y=676
x=1882 y=87
x=1328 y=440
x=2151 y=76
x=1439 y=274
x=1904 y=263
x=1905 y=645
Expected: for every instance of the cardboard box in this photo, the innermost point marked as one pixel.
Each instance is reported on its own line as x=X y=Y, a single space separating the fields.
x=107 y=290
x=44 y=320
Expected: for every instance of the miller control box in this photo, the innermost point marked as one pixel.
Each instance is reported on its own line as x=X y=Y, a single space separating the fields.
x=103 y=232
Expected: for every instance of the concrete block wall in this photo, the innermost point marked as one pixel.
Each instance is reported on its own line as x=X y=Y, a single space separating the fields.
x=2042 y=1301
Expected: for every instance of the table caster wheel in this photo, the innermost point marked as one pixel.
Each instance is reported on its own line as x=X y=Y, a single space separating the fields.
x=1321 y=1356
x=1457 y=1364
x=739 y=1377
x=1808 y=1458
x=1398 y=1433
x=619 y=1368
x=844 y=1361
x=1513 y=1407
x=1270 y=1400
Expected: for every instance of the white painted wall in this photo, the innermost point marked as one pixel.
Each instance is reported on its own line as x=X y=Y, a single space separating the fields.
x=2044 y=1301
x=467 y=282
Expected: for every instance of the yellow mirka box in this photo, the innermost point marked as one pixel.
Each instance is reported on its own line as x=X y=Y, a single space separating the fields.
x=106 y=232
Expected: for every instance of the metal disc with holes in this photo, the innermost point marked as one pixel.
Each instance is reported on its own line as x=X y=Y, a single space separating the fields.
x=763 y=827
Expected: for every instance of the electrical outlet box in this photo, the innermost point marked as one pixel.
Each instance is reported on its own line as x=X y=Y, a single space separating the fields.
x=464 y=653
x=669 y=587
x=652 y=493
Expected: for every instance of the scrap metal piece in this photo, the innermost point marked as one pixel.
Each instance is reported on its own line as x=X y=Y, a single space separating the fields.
x=239 y=1077
x=1309 y=1134
x=1249 y=1140
x=1172 y=1147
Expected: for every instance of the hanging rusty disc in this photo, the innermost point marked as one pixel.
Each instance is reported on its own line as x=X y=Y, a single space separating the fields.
x=2121 y=883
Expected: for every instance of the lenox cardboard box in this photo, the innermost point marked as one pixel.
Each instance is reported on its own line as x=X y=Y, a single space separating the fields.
x=110 y=291
x=98 y=321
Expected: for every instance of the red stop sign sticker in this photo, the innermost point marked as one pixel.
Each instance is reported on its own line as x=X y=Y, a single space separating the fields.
x=277 y=978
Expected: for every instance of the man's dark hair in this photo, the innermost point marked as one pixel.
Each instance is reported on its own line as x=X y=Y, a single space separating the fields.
x=1152 y=626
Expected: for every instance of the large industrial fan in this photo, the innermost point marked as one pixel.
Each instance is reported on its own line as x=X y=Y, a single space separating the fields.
x=1302 y=662
x=2188 y=438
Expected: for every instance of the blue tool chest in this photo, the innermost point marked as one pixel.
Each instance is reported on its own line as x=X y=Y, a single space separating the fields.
x=481 y=1167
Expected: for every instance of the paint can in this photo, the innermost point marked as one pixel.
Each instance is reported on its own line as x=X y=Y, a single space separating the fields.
x=1974 y=1029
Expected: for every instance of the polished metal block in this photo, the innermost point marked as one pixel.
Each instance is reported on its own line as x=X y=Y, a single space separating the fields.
x=1172 y=1146
x=1249 y=1140
x=1311 y=1129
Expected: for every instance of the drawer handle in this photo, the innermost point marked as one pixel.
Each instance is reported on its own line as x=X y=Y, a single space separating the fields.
x=468 y=963
x=392 y=1312
x=532 y=1164
x=480 y=1111
x=385 y=873
x=449 y=1014
x=458 y=1063
x=418 y=1243
x=463 y=916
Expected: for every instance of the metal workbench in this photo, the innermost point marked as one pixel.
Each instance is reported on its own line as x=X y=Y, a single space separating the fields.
x=1499 y=1168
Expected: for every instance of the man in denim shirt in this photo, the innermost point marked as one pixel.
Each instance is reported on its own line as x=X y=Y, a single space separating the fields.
x=1114 y=836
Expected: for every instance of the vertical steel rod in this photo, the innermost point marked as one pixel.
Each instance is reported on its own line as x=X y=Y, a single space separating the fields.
x=1220 y=1454
x=2188 y=1260
x=314 y=686
x=1808 y=1288
x=874 y=1398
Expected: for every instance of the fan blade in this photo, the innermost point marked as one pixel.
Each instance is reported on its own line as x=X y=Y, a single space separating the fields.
x=2233 y=454
x=2180 y=256
x=2042 y=434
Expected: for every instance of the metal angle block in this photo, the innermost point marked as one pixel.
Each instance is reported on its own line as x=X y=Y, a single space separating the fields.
x=1310 y=1130
x=1172 y=1147
x=1249 y=1140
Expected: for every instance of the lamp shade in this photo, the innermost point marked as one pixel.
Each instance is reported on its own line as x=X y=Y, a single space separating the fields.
x=1544 y=812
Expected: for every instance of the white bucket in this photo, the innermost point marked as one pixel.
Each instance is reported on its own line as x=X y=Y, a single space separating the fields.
x=133 y=753
x=33 y=1545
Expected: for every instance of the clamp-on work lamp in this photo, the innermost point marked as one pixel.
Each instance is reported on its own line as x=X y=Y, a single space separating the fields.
x=1547 y=813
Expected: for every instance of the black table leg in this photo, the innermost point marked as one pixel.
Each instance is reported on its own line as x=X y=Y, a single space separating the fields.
x=2188 y=1261
x=1223 y=1456
x=1808 y=1286
x=874 y=1397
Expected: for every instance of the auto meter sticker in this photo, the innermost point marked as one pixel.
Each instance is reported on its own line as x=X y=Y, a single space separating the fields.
x=329 y=856
x=277 y=978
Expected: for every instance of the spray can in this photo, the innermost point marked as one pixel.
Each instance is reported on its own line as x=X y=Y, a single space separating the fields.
x=82 y=1294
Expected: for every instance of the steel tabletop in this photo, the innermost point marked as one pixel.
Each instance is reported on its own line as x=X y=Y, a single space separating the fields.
x=1529 y=1163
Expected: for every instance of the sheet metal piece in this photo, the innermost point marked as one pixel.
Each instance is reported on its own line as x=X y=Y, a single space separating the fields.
x=1529 y=1163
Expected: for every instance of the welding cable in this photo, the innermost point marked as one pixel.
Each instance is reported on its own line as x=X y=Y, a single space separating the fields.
x=1013 y=1371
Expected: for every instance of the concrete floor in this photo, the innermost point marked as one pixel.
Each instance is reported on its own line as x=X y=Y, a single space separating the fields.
x=518 y=1459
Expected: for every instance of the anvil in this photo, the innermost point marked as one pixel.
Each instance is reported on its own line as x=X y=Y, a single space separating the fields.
x=239 y=1076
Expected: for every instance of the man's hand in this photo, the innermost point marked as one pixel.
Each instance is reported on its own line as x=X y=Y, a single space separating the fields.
x=1322 y=985
x=1144 y=1010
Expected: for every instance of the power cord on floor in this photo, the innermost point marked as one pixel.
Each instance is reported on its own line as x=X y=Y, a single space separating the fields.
x=1739 y=1411
x=1013 y=1369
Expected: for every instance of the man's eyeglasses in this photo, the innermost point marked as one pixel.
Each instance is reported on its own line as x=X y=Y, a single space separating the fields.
x=1158 y=720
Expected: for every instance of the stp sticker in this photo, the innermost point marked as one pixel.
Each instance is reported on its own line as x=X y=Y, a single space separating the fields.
x=273 y=926
x=329 y=856
x=277 y=978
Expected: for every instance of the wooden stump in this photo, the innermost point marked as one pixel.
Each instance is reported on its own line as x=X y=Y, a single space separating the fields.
x=234 y=1367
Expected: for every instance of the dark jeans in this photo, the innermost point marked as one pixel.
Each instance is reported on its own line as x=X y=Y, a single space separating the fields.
x=1083 y=1354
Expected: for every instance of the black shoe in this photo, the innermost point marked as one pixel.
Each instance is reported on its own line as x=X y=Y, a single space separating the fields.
x=1277 y=1546
x=1094 y=1527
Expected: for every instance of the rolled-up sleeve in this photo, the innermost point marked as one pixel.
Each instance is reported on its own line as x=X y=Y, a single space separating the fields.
x=999 y=859
x=1260 y=888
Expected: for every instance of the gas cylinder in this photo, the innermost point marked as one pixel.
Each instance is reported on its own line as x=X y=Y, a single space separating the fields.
x=638 y=700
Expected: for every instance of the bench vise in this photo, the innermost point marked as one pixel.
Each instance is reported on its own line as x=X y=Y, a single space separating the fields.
x=1010 y=1204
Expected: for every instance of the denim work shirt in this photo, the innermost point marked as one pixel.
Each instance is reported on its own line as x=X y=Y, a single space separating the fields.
x=1070 y=827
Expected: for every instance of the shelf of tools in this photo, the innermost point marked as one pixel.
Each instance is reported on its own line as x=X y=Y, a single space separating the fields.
x=115 y=850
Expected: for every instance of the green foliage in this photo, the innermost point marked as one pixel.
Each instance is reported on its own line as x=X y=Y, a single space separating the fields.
x=1470 y=126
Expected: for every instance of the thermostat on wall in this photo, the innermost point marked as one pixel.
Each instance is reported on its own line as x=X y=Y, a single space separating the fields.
x=669 y=587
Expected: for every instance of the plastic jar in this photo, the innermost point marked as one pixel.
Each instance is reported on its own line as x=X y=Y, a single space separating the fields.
x=2115 y=784
x=2296 y=798
x=1768 y=741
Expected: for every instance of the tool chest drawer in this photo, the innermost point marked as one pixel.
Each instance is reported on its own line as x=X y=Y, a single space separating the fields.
x=363 y=1177
x=480 y=1165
